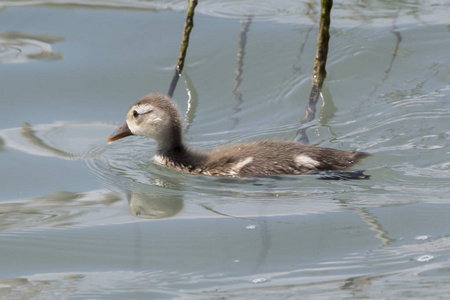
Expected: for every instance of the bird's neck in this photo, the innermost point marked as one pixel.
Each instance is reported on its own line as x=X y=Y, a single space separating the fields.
x=178 y=154
x=170 y=141
x=171 y=149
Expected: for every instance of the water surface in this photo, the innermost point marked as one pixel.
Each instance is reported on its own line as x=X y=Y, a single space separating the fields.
x=83 y=219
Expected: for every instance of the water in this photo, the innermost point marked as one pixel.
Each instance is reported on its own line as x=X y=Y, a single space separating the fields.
x=83 y=219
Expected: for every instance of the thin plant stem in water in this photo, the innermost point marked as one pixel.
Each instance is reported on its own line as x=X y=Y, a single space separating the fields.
x=184 y=45
x=319 y=72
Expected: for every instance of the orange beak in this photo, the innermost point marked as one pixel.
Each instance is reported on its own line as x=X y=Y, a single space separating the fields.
x=120 y=132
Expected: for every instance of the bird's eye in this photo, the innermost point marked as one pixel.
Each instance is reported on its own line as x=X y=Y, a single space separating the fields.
x=135 y=114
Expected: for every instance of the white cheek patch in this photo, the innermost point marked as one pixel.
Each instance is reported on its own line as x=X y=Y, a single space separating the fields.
x=133 y=128
x=303 y=160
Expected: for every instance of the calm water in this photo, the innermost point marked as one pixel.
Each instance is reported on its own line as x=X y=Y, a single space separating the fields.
x=83 y=219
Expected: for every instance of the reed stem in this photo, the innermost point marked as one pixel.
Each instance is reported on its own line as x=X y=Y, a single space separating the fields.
x=184 y=45
x=320 y=61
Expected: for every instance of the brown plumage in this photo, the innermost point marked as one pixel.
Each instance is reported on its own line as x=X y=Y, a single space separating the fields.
x=156 y=116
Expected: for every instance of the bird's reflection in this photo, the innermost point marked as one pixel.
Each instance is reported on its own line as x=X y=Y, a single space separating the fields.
x=154 y=205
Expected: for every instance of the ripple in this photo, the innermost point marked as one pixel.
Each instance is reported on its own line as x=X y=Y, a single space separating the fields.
x=259 y=280
x=129 y=167
x=60 y=209
x=126 y=167
x=154 y=191
x=425 y=258
x=63 y=140
x=18 y=47
x=265 y=10
x=361 y=275
x=66 y=141
x=415 y=125
x=105 y=4
x=280 y=11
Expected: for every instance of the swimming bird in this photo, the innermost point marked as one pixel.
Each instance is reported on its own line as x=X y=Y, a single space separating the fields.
x=156 y=116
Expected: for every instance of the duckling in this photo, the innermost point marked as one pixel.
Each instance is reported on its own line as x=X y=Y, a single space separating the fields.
x=157 y=117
